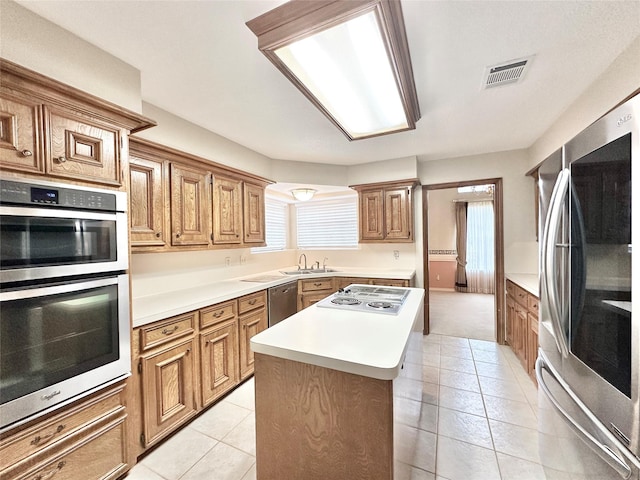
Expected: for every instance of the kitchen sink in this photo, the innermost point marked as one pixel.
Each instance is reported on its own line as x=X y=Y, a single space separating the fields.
x=309 y=270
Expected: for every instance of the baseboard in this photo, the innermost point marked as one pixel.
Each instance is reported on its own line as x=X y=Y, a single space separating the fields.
x=442 y=289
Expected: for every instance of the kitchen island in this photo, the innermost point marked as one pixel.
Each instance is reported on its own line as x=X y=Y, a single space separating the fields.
x=324 y=391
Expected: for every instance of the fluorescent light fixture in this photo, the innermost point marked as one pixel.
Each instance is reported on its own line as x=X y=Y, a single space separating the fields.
x=303 y=194
x=350 y=58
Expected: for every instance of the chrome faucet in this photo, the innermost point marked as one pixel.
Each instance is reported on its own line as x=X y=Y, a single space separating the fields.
x=305 y=261
x=324 y=263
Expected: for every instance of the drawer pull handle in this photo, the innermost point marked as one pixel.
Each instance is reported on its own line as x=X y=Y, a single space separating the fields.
x=26 y=153
x=317 y=284
x=38 y=440
x=169 y=331
x=218 y=314
x=51 y=473
x=253 y=302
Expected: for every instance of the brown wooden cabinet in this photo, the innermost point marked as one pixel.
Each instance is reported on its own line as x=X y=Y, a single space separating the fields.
x=204 y=205
x=386 y=211
x=227 y=211
x=20 y=133
x=147 y=198
x=313 y=290
x=253 y=319
x=522 y=326
x=48 y=128
x=254 y=222
x=219 y=355
x=84 y=441
x=190 y=218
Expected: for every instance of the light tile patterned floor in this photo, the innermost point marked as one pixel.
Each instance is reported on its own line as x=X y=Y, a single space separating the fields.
x=469 y=414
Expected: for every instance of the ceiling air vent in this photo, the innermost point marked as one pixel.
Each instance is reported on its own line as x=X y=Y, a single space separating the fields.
x=506 y=73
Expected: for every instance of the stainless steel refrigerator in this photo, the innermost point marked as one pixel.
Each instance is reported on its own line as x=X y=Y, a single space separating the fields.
x=588 y=366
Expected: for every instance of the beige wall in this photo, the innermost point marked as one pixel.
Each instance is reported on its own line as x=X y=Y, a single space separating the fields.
x=521 y=251
x=35 y=43
x=620 y=80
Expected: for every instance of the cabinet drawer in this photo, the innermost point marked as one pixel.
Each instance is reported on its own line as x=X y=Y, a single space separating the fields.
x=251 y=302
x=511 y=289
x=533 y=323
x=168 y=330
x=313 y=285
x=217 y=313
x=99 y=456
x=533 y=304
x=521 y=296
x=29 y=441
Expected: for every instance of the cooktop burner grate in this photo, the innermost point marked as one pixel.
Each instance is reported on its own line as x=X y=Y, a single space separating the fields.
x=345 y=301
x=380 y=304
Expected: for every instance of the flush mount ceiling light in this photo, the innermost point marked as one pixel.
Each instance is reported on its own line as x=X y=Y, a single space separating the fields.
x=303 y=194
x=349 y=58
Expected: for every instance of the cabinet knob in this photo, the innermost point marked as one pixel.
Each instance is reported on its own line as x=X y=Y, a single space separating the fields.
x=26 y=153
x=62 y=159
x=158 y=234
x=177 y=235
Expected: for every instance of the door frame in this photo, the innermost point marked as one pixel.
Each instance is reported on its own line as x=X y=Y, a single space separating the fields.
x=498 y=226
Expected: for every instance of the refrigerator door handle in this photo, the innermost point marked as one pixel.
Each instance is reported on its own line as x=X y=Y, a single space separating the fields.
x=603 y=451
x=549 y=257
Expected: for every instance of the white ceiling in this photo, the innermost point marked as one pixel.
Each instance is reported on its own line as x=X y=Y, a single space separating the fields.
x=199 y=61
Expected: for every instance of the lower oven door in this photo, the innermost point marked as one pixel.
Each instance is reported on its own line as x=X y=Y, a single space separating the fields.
x=59 y=341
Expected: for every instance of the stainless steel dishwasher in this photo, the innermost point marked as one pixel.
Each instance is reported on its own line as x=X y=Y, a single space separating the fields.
x=283 y=301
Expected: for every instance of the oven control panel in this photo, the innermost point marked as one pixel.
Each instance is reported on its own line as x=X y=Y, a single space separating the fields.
x=28 y=194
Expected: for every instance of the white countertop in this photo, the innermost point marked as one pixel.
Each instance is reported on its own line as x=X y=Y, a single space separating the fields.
x=528 y=281
x=151 y=308
x=362 y=343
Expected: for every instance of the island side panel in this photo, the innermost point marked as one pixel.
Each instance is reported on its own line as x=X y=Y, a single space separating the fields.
x=315 y=423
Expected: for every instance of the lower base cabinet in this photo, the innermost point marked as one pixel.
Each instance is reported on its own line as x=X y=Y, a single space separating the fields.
x=84 y=441
x=522 y=326
x=185 y=363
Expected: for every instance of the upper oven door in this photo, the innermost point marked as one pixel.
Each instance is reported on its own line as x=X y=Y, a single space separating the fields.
x=603 y=335
x=37 y=243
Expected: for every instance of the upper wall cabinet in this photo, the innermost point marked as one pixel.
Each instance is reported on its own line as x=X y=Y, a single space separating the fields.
x=187 y=202
x=48 y=128
x=386 y=211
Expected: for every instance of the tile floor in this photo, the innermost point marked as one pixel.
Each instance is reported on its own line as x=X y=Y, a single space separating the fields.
x=468 y=413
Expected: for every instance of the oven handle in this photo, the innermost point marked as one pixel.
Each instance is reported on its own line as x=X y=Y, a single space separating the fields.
x=57 y=213
x=603 y=451
x=549 y=258
x=25 y=293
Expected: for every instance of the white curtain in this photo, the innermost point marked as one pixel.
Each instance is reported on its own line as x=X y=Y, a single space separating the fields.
x=480 y=248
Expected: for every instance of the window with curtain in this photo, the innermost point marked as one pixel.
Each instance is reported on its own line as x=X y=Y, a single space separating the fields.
x=276 y=226
x=328 y=223
x=480 y=248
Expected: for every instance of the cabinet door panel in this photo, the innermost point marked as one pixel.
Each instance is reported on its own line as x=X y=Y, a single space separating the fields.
x=169 y=389
x=371 y=216
x=147 y=202
x=81 y=149
x=396 y=214
x=254 y=227
x=219 y=359
x=227 y=211
x=250 y=324
x=20 y=136
x=190 y=220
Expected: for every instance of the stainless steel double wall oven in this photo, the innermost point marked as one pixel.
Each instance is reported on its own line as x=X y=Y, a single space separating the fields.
x=64 y=293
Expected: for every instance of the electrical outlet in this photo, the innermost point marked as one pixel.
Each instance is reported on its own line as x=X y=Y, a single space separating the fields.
x=396 y=254
x=438 y=276
x=243 y=259
x=227 y=261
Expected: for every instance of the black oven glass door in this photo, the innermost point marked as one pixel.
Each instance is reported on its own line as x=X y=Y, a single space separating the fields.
x=54 y=333
x=38 y=243
x=600 y=212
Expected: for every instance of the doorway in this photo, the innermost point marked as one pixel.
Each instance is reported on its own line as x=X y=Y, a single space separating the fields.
x=498 y=302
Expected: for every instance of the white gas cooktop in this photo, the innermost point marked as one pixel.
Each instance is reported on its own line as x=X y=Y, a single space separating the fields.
x=367 y=298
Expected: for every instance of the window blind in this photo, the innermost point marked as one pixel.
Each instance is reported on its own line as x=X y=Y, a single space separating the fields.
x=328 y=223
x=276 y=226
